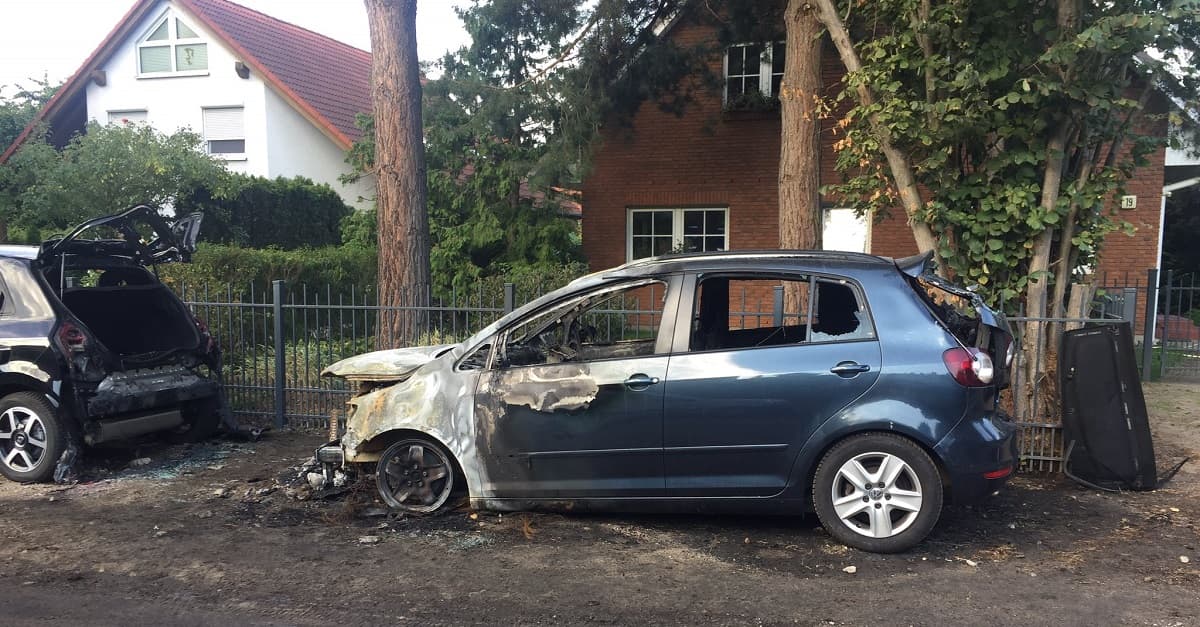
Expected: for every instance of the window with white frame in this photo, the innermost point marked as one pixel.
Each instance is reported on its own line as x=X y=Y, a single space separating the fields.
x=225 y=132
x=129 y=116
x=171 y=48
x=753 y=71
x=659 y=231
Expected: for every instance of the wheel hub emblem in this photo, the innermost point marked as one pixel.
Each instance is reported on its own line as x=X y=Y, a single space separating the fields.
x=20 y=439
x=875 y=493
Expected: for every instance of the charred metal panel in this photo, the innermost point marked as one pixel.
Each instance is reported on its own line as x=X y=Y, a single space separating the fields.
x=1105 y=425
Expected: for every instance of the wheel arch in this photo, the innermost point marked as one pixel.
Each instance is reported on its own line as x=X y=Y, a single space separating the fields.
x=381 y=442
x=809 y=472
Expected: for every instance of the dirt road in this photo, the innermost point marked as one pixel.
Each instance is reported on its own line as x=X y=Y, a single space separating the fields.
x=201 y=536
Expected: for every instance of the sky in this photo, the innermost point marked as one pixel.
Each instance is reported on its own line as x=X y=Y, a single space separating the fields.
x=53 y=37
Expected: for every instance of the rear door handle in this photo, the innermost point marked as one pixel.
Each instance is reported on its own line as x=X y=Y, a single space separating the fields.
x=640 y=381
x=849 y=369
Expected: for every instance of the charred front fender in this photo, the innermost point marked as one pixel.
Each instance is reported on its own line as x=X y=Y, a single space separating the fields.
x=435 y=400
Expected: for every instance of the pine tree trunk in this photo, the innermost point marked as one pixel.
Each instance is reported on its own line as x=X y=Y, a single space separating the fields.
x=400 y=171
x=800 y=219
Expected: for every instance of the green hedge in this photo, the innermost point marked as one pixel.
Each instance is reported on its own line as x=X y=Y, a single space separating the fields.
x=218 y=265
x=340 y=267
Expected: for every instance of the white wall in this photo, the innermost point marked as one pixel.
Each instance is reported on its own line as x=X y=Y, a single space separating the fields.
x=175 y=102
x=279 y=141
x=298 y=148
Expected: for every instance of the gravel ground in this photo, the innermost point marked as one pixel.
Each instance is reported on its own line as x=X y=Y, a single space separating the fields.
x=207 y=535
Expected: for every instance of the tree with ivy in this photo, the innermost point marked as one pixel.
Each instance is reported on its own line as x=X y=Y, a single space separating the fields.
x=1005 y=129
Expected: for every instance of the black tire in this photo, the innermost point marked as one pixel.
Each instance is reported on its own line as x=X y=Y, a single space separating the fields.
x=27 y=420
x=201 y=419
x=874 y=517
x=401 y=470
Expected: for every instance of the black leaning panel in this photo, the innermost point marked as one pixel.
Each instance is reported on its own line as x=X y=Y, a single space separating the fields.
x=1105 y=424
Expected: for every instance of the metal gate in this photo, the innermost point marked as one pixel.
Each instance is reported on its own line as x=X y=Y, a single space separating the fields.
x=1178 y=327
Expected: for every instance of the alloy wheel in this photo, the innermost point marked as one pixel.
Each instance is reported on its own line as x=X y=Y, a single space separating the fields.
x=23 y=439
x=877 y=495
x=415 y=476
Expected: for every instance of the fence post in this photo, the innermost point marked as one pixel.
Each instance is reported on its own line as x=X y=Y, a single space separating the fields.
x=1162 y=353
x=1148 y=323
x=510 y=295
x=280 y=375
x=778 y=305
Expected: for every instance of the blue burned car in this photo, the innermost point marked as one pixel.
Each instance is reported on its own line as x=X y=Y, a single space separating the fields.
x=859 y=387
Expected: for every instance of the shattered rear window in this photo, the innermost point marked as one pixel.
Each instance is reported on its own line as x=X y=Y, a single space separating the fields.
x=955 y=311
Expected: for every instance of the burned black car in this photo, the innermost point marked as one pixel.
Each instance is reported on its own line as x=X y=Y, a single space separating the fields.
x=94 y=348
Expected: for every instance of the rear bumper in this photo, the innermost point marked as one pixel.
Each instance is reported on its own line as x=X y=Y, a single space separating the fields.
x=145 y=390
x=980 y=455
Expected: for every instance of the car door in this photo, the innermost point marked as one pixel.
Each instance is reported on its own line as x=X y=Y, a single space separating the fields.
x=572 y=407
x=758 y=365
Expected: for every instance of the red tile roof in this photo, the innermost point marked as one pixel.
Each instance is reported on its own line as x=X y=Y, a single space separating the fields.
x=325 y=80
x=328 y=77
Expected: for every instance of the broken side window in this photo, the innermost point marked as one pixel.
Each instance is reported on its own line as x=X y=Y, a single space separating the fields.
x=839 y=313
x=735 y=312
x=610 y=324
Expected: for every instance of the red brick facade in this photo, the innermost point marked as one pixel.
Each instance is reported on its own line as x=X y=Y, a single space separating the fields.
x=712 y=158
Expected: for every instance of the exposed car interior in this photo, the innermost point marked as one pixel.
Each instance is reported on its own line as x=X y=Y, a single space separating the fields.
x=742 y=312
x=614 y=324
x=128 y=309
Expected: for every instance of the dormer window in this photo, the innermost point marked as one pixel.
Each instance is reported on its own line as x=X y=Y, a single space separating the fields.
x=753 y=74
x=172 y=48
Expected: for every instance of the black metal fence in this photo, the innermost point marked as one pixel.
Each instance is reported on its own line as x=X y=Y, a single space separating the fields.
x=1178 y=326
x=277 y=341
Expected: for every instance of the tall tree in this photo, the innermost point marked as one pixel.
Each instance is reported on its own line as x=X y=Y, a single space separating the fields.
x=1007 y=128
x=399 y=169
x=800 y=97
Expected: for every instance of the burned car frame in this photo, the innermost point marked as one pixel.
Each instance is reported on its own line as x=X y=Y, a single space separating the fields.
x=775 y=381
x=94 y=348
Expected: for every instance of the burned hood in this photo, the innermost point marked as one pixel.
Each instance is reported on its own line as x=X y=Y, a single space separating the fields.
x=386 y=365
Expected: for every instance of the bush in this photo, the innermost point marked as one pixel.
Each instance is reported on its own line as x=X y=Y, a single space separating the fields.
x=217 y=265
x=259 y=212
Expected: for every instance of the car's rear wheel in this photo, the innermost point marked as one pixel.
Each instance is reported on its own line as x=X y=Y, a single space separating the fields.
x=31 y=437
x=415 y=475
x=878 y=492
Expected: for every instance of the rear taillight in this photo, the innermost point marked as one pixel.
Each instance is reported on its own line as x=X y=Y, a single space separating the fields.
x=969 y=366
x=204 y=334
x=71 y=338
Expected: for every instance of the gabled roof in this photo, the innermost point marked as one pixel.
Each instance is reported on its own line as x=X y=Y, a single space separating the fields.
x=327 y=81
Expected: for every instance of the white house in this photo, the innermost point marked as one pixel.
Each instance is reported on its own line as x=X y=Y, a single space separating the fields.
x=268 y=97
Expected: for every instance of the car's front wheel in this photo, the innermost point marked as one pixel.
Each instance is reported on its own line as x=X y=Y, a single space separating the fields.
x=878 y=492
x=415 y=475
x=31 y=438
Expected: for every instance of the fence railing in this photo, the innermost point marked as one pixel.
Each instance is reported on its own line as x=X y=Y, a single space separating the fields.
x=276 y=342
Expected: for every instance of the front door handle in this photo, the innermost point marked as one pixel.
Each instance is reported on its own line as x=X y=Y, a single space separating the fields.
x=640 y=381
x=849 y=369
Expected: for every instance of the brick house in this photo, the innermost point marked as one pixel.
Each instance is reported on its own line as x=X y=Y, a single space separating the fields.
x=710 y=177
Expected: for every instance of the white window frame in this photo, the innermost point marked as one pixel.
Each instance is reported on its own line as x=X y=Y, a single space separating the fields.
x=118 y=113
x=677 y=233
x=227 y=156
x=171 y=43
x=765 y=68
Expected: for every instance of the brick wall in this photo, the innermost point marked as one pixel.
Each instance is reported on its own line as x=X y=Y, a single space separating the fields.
x=709 y=158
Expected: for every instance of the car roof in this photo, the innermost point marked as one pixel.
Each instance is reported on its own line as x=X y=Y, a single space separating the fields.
x=760 y=259
x=18 y=251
